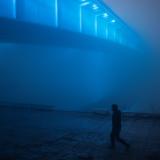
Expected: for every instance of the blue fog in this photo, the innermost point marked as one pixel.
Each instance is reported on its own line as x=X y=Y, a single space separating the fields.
x=62 y=65
x=73 y=79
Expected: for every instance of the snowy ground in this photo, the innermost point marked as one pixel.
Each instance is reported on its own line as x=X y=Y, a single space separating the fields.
x=52 y=135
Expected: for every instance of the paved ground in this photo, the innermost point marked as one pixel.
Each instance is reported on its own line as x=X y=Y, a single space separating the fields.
x=51 y=135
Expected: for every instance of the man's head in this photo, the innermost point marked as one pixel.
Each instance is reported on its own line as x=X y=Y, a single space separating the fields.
x=114 y=107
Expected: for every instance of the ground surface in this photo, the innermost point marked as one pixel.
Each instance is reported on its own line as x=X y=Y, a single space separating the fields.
x=51 y=135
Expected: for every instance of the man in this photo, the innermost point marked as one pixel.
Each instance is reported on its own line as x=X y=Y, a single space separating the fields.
x=116 y=128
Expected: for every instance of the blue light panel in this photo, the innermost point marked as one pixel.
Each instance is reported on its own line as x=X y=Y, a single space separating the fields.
x=102 y=27
x=8 y=8
x=37 y=11
x=68 y=15
x=88 y=21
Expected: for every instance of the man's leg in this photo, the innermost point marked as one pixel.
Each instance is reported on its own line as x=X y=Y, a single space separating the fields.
x=121 y=140
x=113 y=137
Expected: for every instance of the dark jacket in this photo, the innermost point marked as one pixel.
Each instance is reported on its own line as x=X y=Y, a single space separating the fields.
x=116 y=120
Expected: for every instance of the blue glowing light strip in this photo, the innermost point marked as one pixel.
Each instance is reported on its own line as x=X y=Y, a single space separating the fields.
x=56 y=13
x=14 y=8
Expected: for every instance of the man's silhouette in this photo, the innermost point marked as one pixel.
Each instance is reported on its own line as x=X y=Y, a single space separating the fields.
x=116 y=128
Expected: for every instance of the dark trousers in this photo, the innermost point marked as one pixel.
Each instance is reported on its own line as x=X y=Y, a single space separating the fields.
x=115 y=136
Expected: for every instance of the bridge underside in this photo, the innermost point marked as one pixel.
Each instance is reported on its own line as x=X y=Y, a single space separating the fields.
x=13 y=31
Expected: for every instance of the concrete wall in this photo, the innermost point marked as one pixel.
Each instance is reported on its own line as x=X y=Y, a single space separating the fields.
x=74 y=79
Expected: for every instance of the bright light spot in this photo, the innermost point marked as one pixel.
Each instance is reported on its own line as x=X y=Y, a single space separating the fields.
x=14 y=8
x=85 y=3
x=105 y=15
x=95 y=7
x=56 y=13
x=14 y=2
x=113 y=20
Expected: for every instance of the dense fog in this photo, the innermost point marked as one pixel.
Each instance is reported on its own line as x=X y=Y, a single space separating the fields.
x=77 y=79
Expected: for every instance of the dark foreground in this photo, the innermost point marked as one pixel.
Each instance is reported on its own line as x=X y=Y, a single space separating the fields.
x=52 y=135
